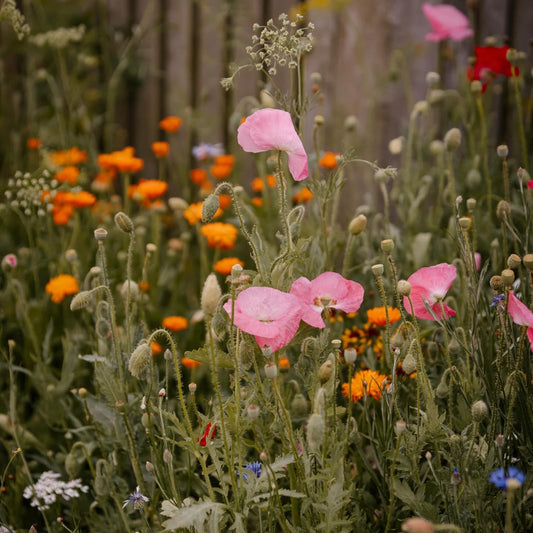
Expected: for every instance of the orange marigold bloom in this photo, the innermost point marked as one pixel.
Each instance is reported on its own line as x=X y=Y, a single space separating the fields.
x=83 y=199
x=160 y=148
x=175 y=323
x=302 y=196
x=206 y=187
x=220 y=235
x=72 y=156
x=226 y=159
x=221 y=172
x=148 y=189
x=258 y=202
x=284 y=363
x=102 y=181
x=156 y=348
x=61 y=286
x=225 y=265
x=377 y=315
x=224 y=201
x=170 y=124
x=257 y=185
x=369 y=382
x=190 y=363
x=193 y=213
x=68 y=175
x=121 y=160
x=61 y=214
x=198 y=175
x=33 y=143
x=328 y=160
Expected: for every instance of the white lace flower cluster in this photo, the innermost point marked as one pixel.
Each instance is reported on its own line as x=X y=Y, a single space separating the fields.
x=25 y=192
x=49 y=487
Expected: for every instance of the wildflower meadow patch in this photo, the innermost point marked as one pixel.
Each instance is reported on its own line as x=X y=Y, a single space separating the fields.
x=217 y=336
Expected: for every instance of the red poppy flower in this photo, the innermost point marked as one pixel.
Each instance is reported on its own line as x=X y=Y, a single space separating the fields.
x=206 y=435
x=490 y=61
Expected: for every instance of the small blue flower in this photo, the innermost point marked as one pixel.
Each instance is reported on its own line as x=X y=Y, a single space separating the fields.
x=498 y=300
x=500 y=478
x=255 y=467
x=137 y=499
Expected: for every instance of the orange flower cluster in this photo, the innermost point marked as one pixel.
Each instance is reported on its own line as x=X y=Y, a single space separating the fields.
x=61 y=286
x=122 y=160
x=378 y=317
x=146 y=191
x=328 y=160
x=369 y=336
x=258 y=184
x=225 y=265
x=72 y=156
x=223 y=166
x=102 y=181
x=220 y=235
x=175 y=323
x=68 y=174
x=369 y=382
x=160 y=149
x=193 y=213
x=64 y=203
x=170 y=124
x=302 y=196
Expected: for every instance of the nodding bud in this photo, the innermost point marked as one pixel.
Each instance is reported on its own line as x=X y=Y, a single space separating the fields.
x=409 y=364
x=503 y=210
x=271 y=370
x=442 y=389
x=503 y=151
x=167 y=456
x=124 y=222
x=357 y=225
x=508 y=277
x=381 y=176
x=177 y=204
x=100 y=234
x=149 y=466
x=378 y=270
x=496 y=283
x=387 y=246
x=436 y=147
x=350 y=355
x=452 y=139
x=316 y=431
x=479 y=411
x=80 y=300
x=299 y=406
x=513 y=261
x=211 y=294
x=404 y=287
x=210 y=207
x=140 y=360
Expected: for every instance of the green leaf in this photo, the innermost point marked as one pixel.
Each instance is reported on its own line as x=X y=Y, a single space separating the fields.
x=192 y=516
x=204 y=356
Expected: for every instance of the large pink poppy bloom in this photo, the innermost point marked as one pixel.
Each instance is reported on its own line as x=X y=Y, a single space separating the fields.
x=447 y=22
x=272 y=129
x=430 y=285
x=521 y=315
x=327 y=290
x=271 y=316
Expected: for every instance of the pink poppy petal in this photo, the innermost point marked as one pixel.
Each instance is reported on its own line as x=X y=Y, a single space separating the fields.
x=446 y=21
x=459 y=34
x=435 y=279
x=520 y=313
x=530 y=337
x=298 y=164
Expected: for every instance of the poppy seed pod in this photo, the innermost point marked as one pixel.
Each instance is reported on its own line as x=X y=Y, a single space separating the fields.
x=513 y=261
x=271 y=370
x=496 y=283
x=508 y=277
x=476 y=88
x=378 y=269
x=100 y=234
x=528 y=261
x=503 y=151
x=387 y=246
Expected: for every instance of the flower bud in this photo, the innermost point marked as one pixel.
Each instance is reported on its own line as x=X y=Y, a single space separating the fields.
x=124 y=222
x=132 y=287
x=299 y=406
x=325 y=371
x=72 y=466
x=210 y=207
x=442 y=389
x=436 y=147
x=211 y=294
x=432 y=79
x=315 y=431
x=452 y=139
x=503 y=210
x=350 y=123
x=400 y=426
x=71 y=256
x=177 y=204
x=404 y=287
x=473 y=178
x=192 y=387
x=357 y=225
x=82 y=391
x=80 y=300
x=409 y=364
x=167 y=456
x=479 y=411
x=140 y=360
x=9 y=262
x=149 y=467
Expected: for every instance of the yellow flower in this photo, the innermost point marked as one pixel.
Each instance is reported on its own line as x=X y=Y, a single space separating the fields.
x=61 y=286
x=377 y=315
x=369 y=382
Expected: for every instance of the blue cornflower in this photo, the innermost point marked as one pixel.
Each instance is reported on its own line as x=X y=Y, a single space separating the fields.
x=255 y=467
x=137 y=499
x=500 y=478
x=497 y=300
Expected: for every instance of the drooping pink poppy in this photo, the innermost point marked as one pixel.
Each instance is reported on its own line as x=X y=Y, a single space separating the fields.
x=430 y=285
x=327 y=290
x=272 y=129
x=521 y=315
x=271 y=316
x=447 y=22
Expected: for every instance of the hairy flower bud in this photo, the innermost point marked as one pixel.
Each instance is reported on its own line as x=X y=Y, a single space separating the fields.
x=409 y=364
x=325 y=371
x=140 y=360
x=124 y=222
x=452 y=139
x=315 y=431
x=404 y=287
x=80 y=300
x=357 y=225
x=211 y=294
x=479 y=411
x=210 y=207
x=503 y=210
x=299 y=406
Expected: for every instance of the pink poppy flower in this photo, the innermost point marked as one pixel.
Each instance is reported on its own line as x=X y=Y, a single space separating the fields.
x=327 y=290
x=272 y=316
x=272 y=129
x=447 y=22
x=521 y=315
x=430 y=285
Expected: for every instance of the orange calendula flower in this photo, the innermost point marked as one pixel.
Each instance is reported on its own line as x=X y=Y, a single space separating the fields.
x=190 y=363
x=302 y=196
x=68 y=175
x=72 y=156
x=170 y=124
x=160 y=148
x=224 y=201
x=156 y=348
x=328 y=160
x=377 y=315
x=193 y=213
x=220 y=235
x=369 y=382
x=147 y=190
x=225 y=265
x=284 y=363
x=258 y=202
x=221 y=172
x=122 y=160
x=198 y=175
x=83 y=199
x=62 y=286
x=225 y=159
x=175 y=323
x=102 y=181
x=33 y=143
